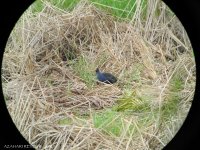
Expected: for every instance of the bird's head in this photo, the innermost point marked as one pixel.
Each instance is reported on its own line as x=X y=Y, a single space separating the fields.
x=97 y=70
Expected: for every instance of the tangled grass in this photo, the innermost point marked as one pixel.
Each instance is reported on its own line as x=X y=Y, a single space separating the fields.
x=52 y=94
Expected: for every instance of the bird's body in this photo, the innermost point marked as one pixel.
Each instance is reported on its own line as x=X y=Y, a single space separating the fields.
x=105 y=77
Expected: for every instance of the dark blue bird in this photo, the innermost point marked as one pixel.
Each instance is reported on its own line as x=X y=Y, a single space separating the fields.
x=105 y=77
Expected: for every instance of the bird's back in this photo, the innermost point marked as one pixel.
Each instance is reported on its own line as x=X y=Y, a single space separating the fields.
x=105 y=77
x=110 y=77
x=101 y=77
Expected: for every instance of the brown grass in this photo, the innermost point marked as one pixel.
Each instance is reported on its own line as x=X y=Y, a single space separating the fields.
x=43 y=82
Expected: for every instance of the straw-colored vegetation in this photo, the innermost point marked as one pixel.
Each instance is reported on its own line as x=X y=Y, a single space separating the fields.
x=52 y=93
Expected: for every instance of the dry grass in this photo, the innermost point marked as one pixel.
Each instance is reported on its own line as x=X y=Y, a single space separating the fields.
x=50 y=87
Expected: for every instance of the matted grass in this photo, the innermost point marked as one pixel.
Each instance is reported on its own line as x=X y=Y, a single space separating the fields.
x=53 y=95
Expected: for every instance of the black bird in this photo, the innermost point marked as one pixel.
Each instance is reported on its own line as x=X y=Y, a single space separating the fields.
x=105 y=77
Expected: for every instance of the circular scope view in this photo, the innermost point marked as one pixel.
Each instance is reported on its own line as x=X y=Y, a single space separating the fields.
x=98 y=75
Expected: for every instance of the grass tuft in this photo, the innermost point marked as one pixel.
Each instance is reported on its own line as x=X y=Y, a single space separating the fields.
x=85 y=71
x=109 y=122
x=132 y=102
